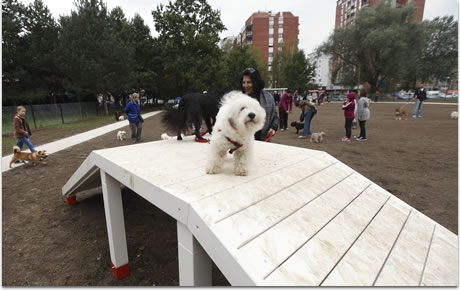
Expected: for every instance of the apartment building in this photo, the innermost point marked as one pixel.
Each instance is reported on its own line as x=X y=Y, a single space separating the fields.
x=267 y=31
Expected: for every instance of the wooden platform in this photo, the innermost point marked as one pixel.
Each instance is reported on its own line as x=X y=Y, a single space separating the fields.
x=301 y=217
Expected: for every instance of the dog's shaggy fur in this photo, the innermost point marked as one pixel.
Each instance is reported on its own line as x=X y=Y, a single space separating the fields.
x=33 y=158
x=297 y=125
x=454 y=115
x=192 y=109
x=121 y=135
x=238 y=119
x=317 y=137
x=400 y=114
x=121 y=118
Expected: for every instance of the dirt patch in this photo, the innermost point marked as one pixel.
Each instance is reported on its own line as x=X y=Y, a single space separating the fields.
x=48 y=243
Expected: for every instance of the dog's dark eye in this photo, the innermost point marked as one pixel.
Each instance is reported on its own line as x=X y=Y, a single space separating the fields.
x=243 y=108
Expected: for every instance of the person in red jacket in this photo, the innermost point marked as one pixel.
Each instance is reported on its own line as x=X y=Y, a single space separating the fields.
x=349 y=111
x=285 y=108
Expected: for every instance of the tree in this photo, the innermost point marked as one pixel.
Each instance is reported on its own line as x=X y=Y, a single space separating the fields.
x=234 y=63
x=188 y=36
x=439 y=55
x=376 y=46
x=296 y=71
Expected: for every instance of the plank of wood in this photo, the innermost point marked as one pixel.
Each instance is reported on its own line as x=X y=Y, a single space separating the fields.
x=361 y=265
x=253 y=221
x=442 y=264
x=406 y=261
x=268 y=251
x=228 y=202
x=310 y=264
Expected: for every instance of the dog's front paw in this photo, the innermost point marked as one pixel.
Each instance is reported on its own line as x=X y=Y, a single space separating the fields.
x=212 y=169
x=240 y=171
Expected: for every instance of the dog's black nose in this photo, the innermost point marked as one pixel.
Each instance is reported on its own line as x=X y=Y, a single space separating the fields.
x=251 y=116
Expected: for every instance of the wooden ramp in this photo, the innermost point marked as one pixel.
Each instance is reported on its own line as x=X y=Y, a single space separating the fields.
x=301 y=217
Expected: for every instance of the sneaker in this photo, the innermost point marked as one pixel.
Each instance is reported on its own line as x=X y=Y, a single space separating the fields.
x=413 y=116
x=282 y=130
x=345 y=139
x=356 y=137
x=361 y=139
x=419 y=116
x=302 y=137
x=287 y=129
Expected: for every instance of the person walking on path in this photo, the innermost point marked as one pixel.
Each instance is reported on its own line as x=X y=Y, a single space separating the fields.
x=252 y=84
x=308 y=112
x=349 y=111
x=22 y=130
x=420 y=96
x=133 y=110
x=285 y=108
x=363 y=114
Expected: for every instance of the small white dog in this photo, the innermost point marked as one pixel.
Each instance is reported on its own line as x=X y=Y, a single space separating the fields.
x=454 y=115
x=121 y=135
x=239 y=117
x=317 y=137
x=121 y=118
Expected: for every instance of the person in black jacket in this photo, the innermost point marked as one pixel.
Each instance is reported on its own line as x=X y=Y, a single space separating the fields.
x=420 y=96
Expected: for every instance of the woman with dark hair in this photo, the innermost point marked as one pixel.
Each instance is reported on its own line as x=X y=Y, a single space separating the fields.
x=251 y=84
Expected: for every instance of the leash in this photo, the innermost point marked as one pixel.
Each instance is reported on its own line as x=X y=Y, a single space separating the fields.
x=202 y=140
x=270 y=135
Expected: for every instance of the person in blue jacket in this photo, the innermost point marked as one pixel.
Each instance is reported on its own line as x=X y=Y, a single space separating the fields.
x=133 y=110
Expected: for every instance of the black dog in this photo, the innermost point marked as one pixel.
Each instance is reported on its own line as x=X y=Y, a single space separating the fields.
x=192 y=109
x=298 y=126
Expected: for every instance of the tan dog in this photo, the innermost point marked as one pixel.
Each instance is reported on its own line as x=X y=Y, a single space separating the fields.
x=317 y=137
x=33 y=158
x=400 y=114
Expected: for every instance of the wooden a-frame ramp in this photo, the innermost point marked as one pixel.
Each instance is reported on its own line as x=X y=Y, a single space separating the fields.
x=301 y=217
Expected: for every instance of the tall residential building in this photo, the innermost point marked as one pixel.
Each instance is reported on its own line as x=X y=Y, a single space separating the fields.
x=322 y=71
x=345 y=11
x=266 y=31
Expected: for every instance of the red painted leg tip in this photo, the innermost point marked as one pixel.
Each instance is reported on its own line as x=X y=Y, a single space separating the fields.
x=71 y=200
x=120 y=272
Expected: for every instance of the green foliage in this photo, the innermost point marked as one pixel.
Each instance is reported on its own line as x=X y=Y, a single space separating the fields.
x=234 y=62
x=188 y=36
x=296 y=72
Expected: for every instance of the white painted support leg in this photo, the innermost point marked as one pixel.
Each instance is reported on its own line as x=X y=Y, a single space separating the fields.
x=195 y=266
x=113 y=207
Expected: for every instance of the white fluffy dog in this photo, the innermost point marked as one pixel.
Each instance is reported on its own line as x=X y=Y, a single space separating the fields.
x=121 y=135
x=121 y=118
x=317 y=137
x=239 y=117
x=454 y=115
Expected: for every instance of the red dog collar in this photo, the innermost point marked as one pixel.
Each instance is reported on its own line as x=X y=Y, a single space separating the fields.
x=236 y=144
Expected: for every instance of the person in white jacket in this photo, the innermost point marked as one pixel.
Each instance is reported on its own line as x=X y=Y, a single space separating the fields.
x=363 y=114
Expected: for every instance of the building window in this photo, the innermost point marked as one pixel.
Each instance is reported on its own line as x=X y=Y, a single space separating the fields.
x=280 y=31
x=270 y=54
x=270 y=35
x=270 y=49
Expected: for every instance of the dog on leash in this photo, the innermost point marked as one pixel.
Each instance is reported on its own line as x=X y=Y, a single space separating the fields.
x=121 y=135
x=238 y=119
x=317 y=137
x=454 y=115
x=192 y=109
x=400 y=114
x=33 y=157
x=297 y=125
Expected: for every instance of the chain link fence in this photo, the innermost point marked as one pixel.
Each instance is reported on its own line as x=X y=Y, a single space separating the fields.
x=42 y=116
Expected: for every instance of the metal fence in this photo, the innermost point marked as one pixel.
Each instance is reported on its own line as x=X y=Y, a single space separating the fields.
x=41 y=116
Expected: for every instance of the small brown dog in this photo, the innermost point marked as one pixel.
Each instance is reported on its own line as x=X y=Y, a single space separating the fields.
x=400 y=114
x=33 y=158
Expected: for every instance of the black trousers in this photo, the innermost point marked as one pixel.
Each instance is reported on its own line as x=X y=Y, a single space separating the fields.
x=283 y=119
x=348 y=125
x=362 y=126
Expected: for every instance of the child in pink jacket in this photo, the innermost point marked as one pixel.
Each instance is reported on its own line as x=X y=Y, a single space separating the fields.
x=348 y=108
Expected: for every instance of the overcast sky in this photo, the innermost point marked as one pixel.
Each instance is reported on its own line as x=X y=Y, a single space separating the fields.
x=316 y=17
